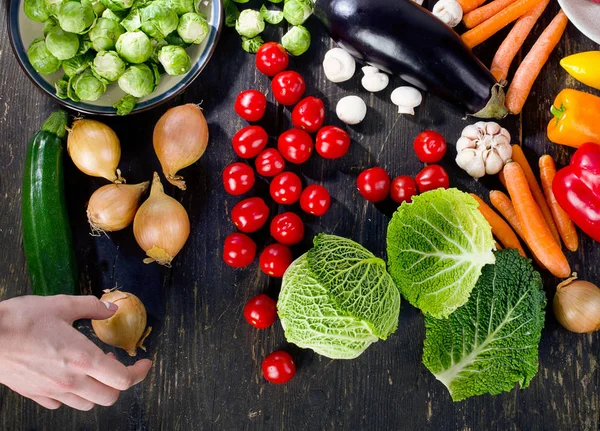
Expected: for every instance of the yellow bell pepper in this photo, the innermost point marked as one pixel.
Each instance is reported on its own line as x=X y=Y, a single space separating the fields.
x=584 y=67
x=576 y=118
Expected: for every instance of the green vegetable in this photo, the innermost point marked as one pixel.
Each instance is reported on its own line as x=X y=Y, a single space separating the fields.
x=62 y=88
x=297 y=11
x=436 y=248
x=76 y=17
x=158 y=20
x=157 y=44
x=85 y=44
x=41 y=58
x=252 y=45
x=241 y=1
x=105 y=33
x=490 y=343
x=181 y=7
x=49 y=25
x=232 y=13
x=139 y=80
x=36 y=10
x=125 y=105
x=250 y=23
x=174 y=60
x=108 y=66
x=271 y=16
x=297 y=40
x=86 y=86
x=46 y=232
x=133 y=21
x=98 y=7
x=52 y=6
x=175 y=39
x=192 y=28
x=134 y=47
x=76 y=65
x=63 y=45
x=337 y=299
x=275 y=1
x=114 y=16
x=118 y=5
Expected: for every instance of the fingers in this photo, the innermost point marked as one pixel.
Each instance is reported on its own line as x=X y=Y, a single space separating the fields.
x=96 y=392
x=75 y=401
x=85 y=307
x=48 y=403
x=116 y=375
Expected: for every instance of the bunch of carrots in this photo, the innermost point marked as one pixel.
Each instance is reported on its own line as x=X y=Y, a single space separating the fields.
x=532 y=212
x=485 y=21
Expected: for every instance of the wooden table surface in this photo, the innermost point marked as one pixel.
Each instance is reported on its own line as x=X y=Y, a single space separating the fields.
x=206 y=372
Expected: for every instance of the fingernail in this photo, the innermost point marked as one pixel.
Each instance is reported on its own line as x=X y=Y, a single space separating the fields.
x=111 y=306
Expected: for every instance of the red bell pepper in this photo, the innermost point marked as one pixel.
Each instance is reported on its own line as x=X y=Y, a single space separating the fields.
x=577 y=189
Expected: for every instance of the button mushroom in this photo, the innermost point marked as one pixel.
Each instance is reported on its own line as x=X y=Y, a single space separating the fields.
x=483 y=148
x=339 y=66
x=449 y=12
x=351 y=109
x=374 y=80
x=406 y=99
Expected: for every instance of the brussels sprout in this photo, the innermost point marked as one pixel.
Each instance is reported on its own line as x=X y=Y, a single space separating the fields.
x=133 y=21
x=52 y=6
x=158 y=20
x=134 y=47
x=105 y=33
x=114 y=16
x=76 y=65
x=181 y=6
x=138 y=80
x=192 y=28
x=108 y=66
x=76 y=17
x=86 y=86
x=63 y=45
x=98 y=7
x=250 y=23
x=297 y=40
x=252 y=45
x=174 y=59
x=36 y=10
x=175 y=39
x=271 y=16
x=157 y=44
x=49 y=25
x=62 y=88
x=85 y=44
x=275 y=1
x=41 y=58
x=125 y=105
x=117 y=5
x=241 y=1
x=297 y=11
x=231 y=13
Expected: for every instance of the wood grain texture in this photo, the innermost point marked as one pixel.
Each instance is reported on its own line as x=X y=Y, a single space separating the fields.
x=206 y=372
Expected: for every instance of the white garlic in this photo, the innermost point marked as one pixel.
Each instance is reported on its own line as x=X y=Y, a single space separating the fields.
x=339 y=65
x=449 y=12
x=374 y=80
x=351 y=109
x=406 y=99
x=483 y=148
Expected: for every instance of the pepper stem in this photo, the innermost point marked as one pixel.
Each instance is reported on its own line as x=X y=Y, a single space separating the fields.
x=558 y=112
x=56 y=124
x=495 y=107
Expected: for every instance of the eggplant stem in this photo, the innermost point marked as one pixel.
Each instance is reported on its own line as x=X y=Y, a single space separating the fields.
x=495 y=107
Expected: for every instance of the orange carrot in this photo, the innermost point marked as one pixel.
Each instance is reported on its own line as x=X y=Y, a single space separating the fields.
x=500 y=229
x=501 y=178
x=498 y=246
x=532 y=64
x=469 y=5
x=477 y=16
x=489 y=27
x=514 y=41
x=519 y=157
x=536 y=232
x=565 y=226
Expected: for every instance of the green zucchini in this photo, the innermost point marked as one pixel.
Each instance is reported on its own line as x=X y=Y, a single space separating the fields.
x=46 y=231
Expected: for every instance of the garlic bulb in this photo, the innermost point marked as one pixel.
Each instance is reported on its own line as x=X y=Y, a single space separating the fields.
x=483 y=148
x=449 y=12
x=339 y=65
x=374 y=80
x=406 y=99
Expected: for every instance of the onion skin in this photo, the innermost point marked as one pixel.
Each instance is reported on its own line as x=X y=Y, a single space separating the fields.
x=577 y=305
x=112 y=207
x=180 y=139
x=161 y=225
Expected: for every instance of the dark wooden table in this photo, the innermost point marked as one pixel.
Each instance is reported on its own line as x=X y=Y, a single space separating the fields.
x=206 y=372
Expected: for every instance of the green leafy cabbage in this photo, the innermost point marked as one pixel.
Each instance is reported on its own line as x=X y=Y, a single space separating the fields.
x=437 y=246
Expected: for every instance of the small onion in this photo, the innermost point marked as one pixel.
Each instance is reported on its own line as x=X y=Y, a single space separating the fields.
x=577 y=305
x=161 y=225
x=95 y=149
x=126 y=329
x=180 y=139
x=113 y=206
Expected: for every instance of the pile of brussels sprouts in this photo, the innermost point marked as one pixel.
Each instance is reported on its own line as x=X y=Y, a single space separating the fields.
x=98 y=42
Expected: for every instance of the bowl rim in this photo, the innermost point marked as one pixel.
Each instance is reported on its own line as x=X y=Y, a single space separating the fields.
x=568 y=9
x=20 y=53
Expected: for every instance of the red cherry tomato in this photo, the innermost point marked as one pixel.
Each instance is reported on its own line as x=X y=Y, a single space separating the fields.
x=249 y=141
x=279 y=367
x=295 y=145
x=250 y=214
x=250 y=105
x=373 y=184
x=286 y=188
x=315 y=200
x=288 y=87
x=238 y=178
x=430 y=146
x=239 y=250
x=403 y=188
x=271 y=58
x=269 y=163
x=261 y=311
x=332 y=142
x=309 y=114
x=432 y=177
x=287 y=228
x=275 y=259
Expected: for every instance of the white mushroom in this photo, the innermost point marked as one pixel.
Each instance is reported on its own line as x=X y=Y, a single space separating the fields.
x=407 y=99
x=374 y=80
x=419 y=2
x=483 y=148
x=339 y=66
x=449 y=12
x=351 y=109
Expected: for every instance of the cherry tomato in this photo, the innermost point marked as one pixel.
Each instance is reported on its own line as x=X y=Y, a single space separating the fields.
x=239 y=250
x=250 y=214
x=250 y=105
x=238 y=178
x=271 y=58
x=309 y=114
x=295 y=145
x=249 y=141
x=288 y=87
x=403 y=189
x=261 y=311
x=275 y=259
x=279 y=367
x=332 y=142
x=432 y=177
x=269 y=163
x=286 y=188
x=287 y=228
x=430 y=146
x=373 y=184
x=315 y=200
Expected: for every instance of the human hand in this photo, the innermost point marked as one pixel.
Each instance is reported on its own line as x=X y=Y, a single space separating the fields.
x=44 y=358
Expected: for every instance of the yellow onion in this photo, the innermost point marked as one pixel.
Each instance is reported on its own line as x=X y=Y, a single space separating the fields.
x=161 y=225
x=126 y=329
x=180 y=139
x=95 y=149
x=577 y=305
x=112 y=207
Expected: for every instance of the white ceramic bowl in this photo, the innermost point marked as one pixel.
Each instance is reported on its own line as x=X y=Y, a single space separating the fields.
x=585 y=15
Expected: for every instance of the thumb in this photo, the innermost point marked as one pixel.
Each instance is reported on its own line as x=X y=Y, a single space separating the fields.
x=90 y=307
